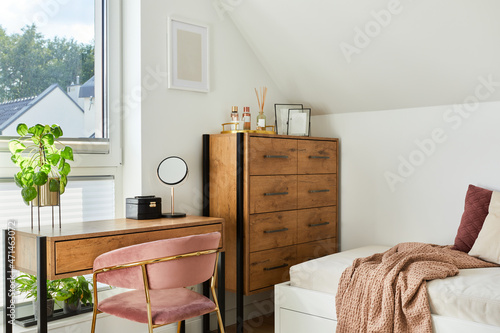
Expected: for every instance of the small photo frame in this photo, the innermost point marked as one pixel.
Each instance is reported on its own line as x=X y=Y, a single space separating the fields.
x=188 y=55
x=299 y=122
x=281 y=116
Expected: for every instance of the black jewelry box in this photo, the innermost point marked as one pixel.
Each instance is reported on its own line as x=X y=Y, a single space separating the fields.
x=143 y=207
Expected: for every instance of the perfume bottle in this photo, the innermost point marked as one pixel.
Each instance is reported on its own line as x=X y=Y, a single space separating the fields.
x=261 y=121
x=234 y=118
x=246 y=118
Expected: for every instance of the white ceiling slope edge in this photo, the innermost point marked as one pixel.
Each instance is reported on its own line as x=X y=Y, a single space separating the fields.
x=342 y=56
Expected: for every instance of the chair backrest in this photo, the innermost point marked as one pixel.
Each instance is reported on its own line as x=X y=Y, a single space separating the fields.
x=163 y=275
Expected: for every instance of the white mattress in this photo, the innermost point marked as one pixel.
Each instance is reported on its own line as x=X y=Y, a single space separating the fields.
x=474 y=294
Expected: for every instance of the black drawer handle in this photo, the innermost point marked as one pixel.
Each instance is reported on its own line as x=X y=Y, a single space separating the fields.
x=275 y=156
x=318 y=191
x=323 y=157
x=318 y=224
x=275 y=267
x=276 y=193
x=273 y=231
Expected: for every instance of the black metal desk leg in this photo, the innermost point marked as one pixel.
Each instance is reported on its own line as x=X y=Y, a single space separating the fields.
x=8 y=306
x=41 y=281
x=240 y=163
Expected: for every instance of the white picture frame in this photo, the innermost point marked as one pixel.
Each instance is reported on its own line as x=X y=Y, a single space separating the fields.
x=299 y=122
x=188 y=55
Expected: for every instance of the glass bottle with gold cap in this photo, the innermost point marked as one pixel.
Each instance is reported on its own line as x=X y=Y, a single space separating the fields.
x=234 y=117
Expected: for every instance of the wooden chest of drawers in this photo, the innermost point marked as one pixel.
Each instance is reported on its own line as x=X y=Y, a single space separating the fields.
x=278 y=196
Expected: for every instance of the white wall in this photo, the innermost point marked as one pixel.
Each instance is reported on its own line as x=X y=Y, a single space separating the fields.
x=169 y=122
x=347 y=56
x=425 y=202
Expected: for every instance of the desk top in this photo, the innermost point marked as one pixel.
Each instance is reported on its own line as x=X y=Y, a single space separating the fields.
x=72 y=249
x=114 y=226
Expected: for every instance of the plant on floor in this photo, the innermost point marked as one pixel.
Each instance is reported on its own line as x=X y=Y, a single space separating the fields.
x=39 y=159
x=74 y=291
x=26 y=283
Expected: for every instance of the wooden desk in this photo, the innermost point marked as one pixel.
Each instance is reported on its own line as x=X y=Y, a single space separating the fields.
x=55 y=253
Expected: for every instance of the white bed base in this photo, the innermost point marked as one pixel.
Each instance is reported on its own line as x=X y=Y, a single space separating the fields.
x=299 y=310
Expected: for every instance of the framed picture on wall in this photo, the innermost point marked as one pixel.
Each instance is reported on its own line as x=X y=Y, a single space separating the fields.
x=188 y=59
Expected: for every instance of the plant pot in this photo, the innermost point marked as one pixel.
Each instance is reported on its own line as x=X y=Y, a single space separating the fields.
x=47 y=198
x=72 y=307
x=50 y=308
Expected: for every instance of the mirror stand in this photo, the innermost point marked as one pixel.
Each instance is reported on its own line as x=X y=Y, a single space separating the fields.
x=172 y=214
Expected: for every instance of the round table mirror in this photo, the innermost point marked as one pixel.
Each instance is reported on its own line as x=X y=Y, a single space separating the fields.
x=172 y=171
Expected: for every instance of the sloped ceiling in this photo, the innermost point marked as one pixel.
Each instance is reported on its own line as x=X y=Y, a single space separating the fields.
x=347 y=56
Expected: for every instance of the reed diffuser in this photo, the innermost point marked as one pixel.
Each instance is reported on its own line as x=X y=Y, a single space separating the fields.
x=261 y=118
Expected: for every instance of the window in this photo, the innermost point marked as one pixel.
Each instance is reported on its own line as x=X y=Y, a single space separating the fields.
x=53 y=70
x=47 y=72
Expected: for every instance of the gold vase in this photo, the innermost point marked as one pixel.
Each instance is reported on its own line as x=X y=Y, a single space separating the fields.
x=47 y=198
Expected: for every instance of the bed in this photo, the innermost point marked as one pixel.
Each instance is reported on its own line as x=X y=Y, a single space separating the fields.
x=468 y=302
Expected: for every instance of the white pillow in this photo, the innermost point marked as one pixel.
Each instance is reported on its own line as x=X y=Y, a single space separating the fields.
x=487 y=245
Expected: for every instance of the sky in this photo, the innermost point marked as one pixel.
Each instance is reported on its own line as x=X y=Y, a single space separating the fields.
x=61 y=18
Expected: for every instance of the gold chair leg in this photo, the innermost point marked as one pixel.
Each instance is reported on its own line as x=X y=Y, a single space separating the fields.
x=219 y=319
x=94 y=315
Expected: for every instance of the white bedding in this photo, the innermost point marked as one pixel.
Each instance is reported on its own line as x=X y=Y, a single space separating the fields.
x=474 y=294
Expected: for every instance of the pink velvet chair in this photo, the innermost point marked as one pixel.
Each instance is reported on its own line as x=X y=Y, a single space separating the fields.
x=158 y=272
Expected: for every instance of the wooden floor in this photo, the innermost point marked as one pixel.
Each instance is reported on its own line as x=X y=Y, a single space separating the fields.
x=263 y=324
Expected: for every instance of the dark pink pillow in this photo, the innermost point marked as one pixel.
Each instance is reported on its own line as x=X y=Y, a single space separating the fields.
x=477 y=202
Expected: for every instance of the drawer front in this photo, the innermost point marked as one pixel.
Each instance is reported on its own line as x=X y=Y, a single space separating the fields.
x=317 y=157
x=270 y=267
x=317 y=190
x=271 y=230
x=316 y=249
x=272 y=193
x=316 y=223
x=269 y=156
x=77 y=256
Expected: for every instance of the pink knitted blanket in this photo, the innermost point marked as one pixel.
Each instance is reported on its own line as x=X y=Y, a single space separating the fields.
x=386 y=292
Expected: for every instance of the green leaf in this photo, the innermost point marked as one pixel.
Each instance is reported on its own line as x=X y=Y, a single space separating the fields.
x=16 y=146
x=46 y=168
x=23 y=162
x=65 y=169
x=22 y=129
x=53 y=158
x=18 y=178
x=67 y=153
x=57 y=131
x=53 y=185
x=36 y=130
x=63 y=180
x=48 y=139
x=40 y=178
x=28 y=193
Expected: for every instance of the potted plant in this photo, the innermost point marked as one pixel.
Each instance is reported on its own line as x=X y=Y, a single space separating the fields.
x=44 y=167
x=26 y=283
x=74 y=291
